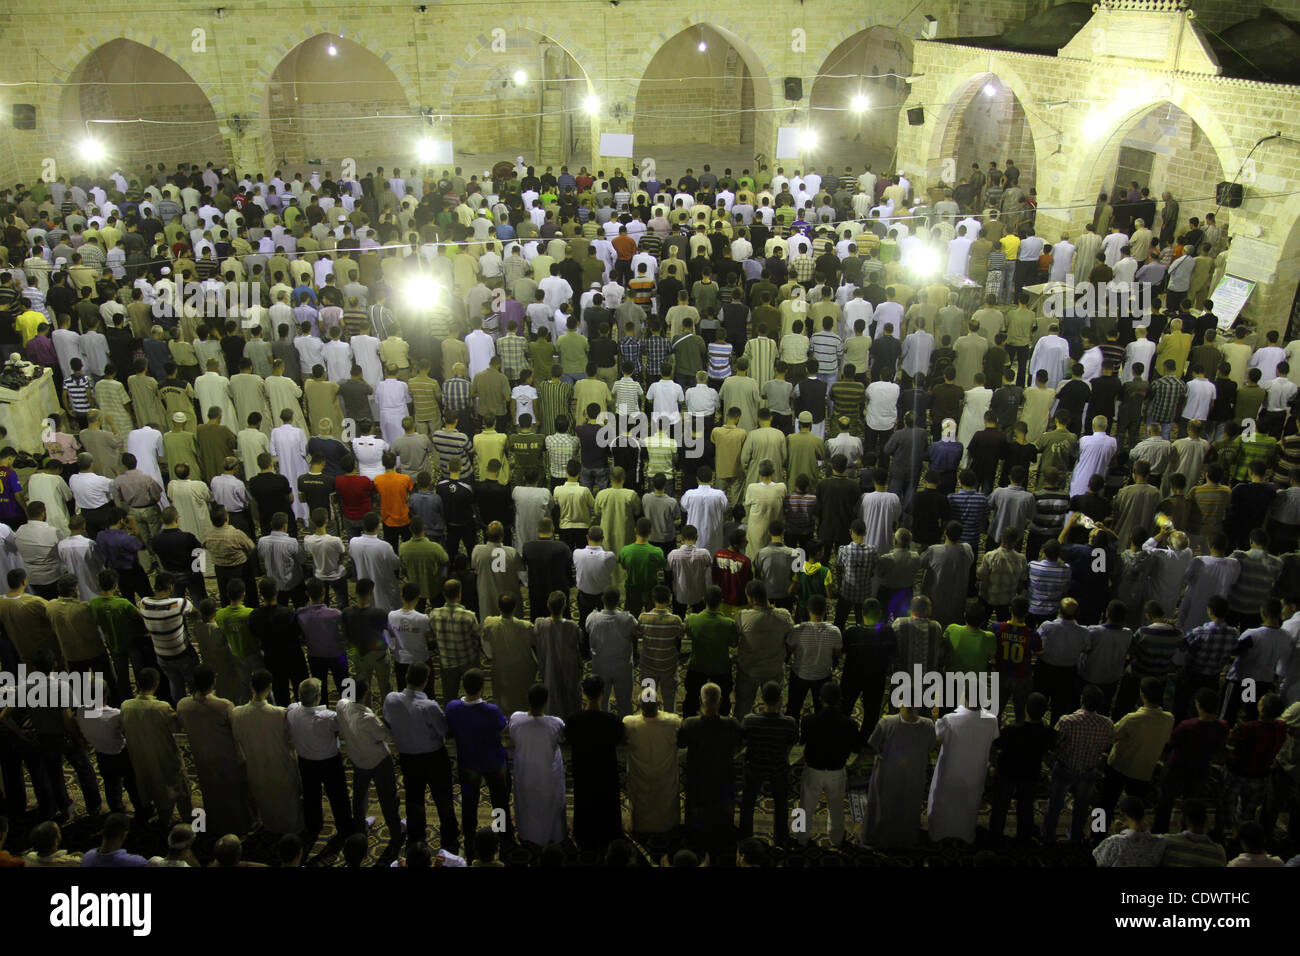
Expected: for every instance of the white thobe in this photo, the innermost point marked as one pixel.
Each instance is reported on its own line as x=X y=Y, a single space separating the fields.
x=538 y=777
x=365 y=350
x=392 y=398
x=706 y=509
x=374 y=558
x=1062 y=260
x=289 y=446
x=213 y=390
x=880 y=513
x=1053 y=354
x=957 y=787
x=146 y=444
x=1095 y=453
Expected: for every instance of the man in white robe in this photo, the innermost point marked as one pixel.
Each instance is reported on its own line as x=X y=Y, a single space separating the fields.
x=1095 y=453
x=374 y=558
x=706 y=509
x=365 y=350
x=213 y=389
x=1053 y=354
x=289 y=446
x=538 y=771
x=192 y=499
x=957 y=788
x=146 y=444
x=393 y=400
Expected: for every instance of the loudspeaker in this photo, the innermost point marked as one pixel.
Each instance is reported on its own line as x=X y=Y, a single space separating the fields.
x=793 y=88
x=24 y=116
x=1228 y=195
x=916 y=116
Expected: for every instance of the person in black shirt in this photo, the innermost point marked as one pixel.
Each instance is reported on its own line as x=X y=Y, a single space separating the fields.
x=930 y=511
x=1106 y=392
x=355 y=396
x=1020 y=751
x=331 y=451
x=494 y=500
x=594 y=736
x=809 y=396
x=550 y=568
x=837 y=504
x=271 y=624
x=315 y=487
x=829 y=740
x=232 y=344
x=1092 y=502
x=177 y=552
x=1073 y=396
x=1019 y=451
x=457 y=496
x=769 y=734
x=271 y=493
x=603 y=348
x=987 y=448
x=869 y=650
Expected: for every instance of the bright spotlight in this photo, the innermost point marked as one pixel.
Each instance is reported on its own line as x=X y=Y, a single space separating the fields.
x=591 y=104
x=91 y=150
x=860 y=103
x=422 y=292
x=1094 y=124
x=702 y=47
x=808 y=139
x=332 y=50
x=520 y=77
x=926 y=263
x=990 y=89
x=426 y=150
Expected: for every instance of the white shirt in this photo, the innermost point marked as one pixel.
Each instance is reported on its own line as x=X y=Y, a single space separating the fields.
x=363 y=733
x=313 y=731
x=369 y=452
x=1200 y=396
x=882 y=405
x=666 y=398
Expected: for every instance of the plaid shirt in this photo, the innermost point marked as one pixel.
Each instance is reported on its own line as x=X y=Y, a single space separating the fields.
x=999 y=576
x=459 y=637
x=513 y=350
x=1167 y=396
x=1082 y=739
x=629 y=350
x=799 y=514
x=455 y=395
x=1209 y=648
x=804 y=268
x=561 y=448
x=1263 y=448
x=657 y=348
x=857 y=564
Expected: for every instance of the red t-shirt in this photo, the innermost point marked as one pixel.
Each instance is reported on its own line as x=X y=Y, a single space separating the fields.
x=354 y=493
x=1017 y=644
x=731 y=572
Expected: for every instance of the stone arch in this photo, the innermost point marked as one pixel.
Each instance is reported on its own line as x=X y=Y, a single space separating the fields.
x=1098 y=153
x=180 y=94
x=855 y=66
x=297 y=128
x=961 y=137
x=477 y=94
x=755 y=121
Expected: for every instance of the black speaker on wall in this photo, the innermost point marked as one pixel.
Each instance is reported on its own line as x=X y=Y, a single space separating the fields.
x=793 y=88
x=24 y=116
x=1228 y=195
x=916 y=116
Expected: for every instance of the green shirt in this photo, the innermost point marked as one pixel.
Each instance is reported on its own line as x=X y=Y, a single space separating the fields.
x=812 y=580
x=644 y=563
x=118 y=620
x=712 y=636
x=573 y=348
x=233 y=622
x=424 y=562
x=971 y=649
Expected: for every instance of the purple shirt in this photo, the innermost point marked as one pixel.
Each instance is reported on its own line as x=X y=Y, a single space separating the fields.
x=119 y=549
x=321 y=630
x=476 y=729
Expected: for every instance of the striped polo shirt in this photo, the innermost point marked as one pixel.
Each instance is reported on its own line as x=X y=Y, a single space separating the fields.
x=164 y=619
x=661 y=641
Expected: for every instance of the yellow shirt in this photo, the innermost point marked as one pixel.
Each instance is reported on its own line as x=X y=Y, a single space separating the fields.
x=28 y=323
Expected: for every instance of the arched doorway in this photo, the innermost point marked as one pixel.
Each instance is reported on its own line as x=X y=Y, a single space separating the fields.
x=331 y=98
x=1163 y=149
x=857 y=94
x=141 y=106
x=986 y=123
x=704 y=97
x=523 y=95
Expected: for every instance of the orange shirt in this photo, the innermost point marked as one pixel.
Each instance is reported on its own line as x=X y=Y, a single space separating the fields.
x=624 y=245
x=394 y=488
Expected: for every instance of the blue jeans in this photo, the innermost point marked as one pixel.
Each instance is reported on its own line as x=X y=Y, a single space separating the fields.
x=179 y=671
x=1064 y=780
x=573 y=377
x=595 y=478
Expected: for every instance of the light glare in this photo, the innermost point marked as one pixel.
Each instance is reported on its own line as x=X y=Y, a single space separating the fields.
x=520 y=77
x=422 y=292
x=860 y=102
x=990 y=89
x=332 y=50
x=92 y=150
x=591 y=104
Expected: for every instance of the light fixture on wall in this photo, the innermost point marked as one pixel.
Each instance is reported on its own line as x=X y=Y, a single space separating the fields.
x=219 y=13
x=591 y=104
x=237 y=123
x=91 y=150
x=990 y=88
x=332 y=50
x=703 y=45
x=520 y=77
x=931 y=28
x=861 y=103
